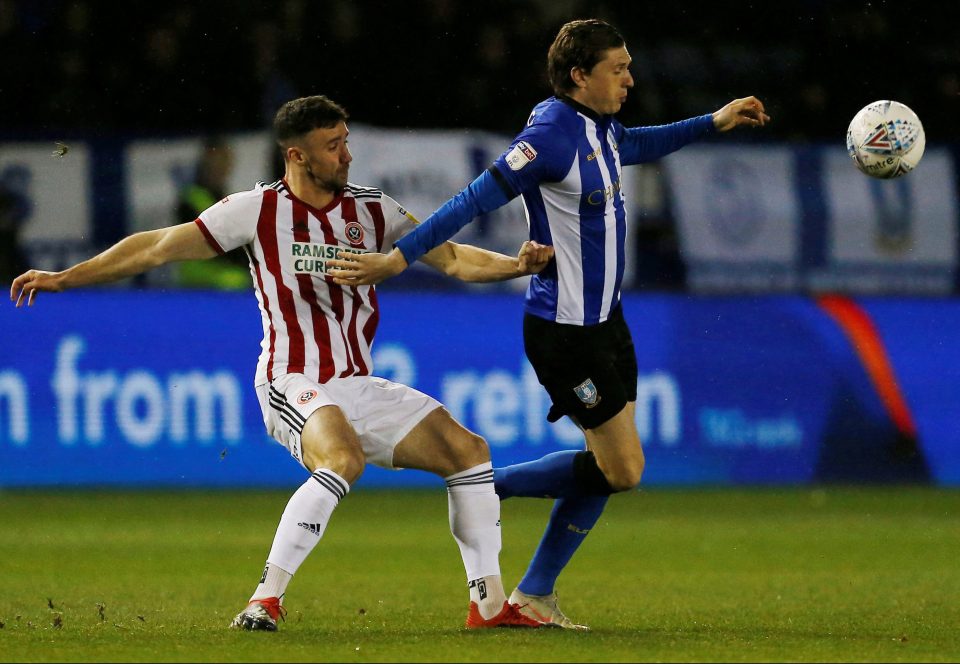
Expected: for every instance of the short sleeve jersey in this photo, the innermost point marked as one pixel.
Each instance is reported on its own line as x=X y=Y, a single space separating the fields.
x=311 y=325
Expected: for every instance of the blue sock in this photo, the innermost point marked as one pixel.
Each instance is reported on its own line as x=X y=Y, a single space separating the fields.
x=550 y=476
x=570 y=521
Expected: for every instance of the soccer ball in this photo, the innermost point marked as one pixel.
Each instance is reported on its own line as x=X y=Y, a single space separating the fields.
x=885 y=139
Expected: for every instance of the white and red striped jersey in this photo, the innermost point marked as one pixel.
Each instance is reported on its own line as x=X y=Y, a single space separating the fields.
x=311 y=325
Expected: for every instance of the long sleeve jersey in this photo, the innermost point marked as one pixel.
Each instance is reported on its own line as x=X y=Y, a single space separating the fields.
x=566 y=164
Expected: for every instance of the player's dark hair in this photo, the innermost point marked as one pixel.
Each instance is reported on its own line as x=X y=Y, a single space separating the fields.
x=580 y=44
x=301 y=116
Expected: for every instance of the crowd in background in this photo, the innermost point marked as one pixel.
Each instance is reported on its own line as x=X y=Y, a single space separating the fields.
x=216 y=66
x=95 y=69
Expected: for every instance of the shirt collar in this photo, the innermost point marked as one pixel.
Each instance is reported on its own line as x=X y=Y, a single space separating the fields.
x=580 y=108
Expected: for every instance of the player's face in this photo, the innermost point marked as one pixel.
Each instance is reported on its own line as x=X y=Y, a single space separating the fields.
x=605 y=86
x=325 y=157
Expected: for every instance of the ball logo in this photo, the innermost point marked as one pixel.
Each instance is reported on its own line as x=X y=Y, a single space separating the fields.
x=306 y=397
x=879 y=141
x=354 y=232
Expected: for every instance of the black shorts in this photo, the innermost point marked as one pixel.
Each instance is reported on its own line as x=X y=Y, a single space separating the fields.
x=590 y=372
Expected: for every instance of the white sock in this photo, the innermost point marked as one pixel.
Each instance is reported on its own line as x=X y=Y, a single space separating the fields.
x=475 y=524
x=301 y=527
x=273 y=583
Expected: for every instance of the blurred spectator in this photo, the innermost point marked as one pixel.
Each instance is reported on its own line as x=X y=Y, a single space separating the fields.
x=209 y=185
x=220 y=67
x=223 y=66
x=658 y=263
x=15 y=209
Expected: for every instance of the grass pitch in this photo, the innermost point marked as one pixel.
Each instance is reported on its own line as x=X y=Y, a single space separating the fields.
x=828 y=574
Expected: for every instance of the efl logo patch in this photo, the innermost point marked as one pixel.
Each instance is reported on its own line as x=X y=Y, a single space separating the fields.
x=354 y=232
x=587 y=393
x=521 y=155
x=306 y=397
x=414 y=220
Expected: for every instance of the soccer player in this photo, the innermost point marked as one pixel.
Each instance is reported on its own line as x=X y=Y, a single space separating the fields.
x=314 y=377
x=566 y=164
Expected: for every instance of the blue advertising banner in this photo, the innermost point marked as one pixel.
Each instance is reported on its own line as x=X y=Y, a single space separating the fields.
x=146 y=388
x=921 y=341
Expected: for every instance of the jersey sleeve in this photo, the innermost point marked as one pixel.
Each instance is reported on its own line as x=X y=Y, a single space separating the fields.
x=231 y=222
x=542 y=152
x=643 y=144
x=397 y=221
x=479 y=197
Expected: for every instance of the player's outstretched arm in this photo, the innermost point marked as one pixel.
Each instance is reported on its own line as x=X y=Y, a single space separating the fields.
x=132 y=255
x=473 y=264
x=746 y=111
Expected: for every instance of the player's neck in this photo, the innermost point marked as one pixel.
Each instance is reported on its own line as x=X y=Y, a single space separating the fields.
x=304 y=188
x=585 y=101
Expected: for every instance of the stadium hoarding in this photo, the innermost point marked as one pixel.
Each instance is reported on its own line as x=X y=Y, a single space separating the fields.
x=419 y=169
x=113 y=387
x=46 y=200
x=736 y=234
x=788 y=218
x=750 y=217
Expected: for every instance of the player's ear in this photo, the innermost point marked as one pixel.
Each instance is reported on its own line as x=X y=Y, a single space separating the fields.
x=294 y=154
x=578 y=76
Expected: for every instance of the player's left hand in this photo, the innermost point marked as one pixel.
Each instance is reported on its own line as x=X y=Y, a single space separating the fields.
x=747 y=111
x=533 y=257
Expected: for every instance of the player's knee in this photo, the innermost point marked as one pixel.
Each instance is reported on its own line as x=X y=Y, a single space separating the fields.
x=347 y=461
x=626 y=476
x=353 y=465
x=626 y=473
x=467 y=451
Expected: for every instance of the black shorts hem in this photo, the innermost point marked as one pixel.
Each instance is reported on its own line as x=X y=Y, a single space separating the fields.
x=590 y=372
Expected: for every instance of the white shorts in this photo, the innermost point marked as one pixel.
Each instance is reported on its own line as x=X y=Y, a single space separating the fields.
x=381 y=412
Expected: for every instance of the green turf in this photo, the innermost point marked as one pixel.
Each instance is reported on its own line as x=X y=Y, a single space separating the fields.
x=708 y=575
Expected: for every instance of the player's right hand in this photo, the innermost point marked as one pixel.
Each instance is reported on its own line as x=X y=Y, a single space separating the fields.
x=533 y=257
x=30 y=282
x=746 y=111
x=350 y=269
